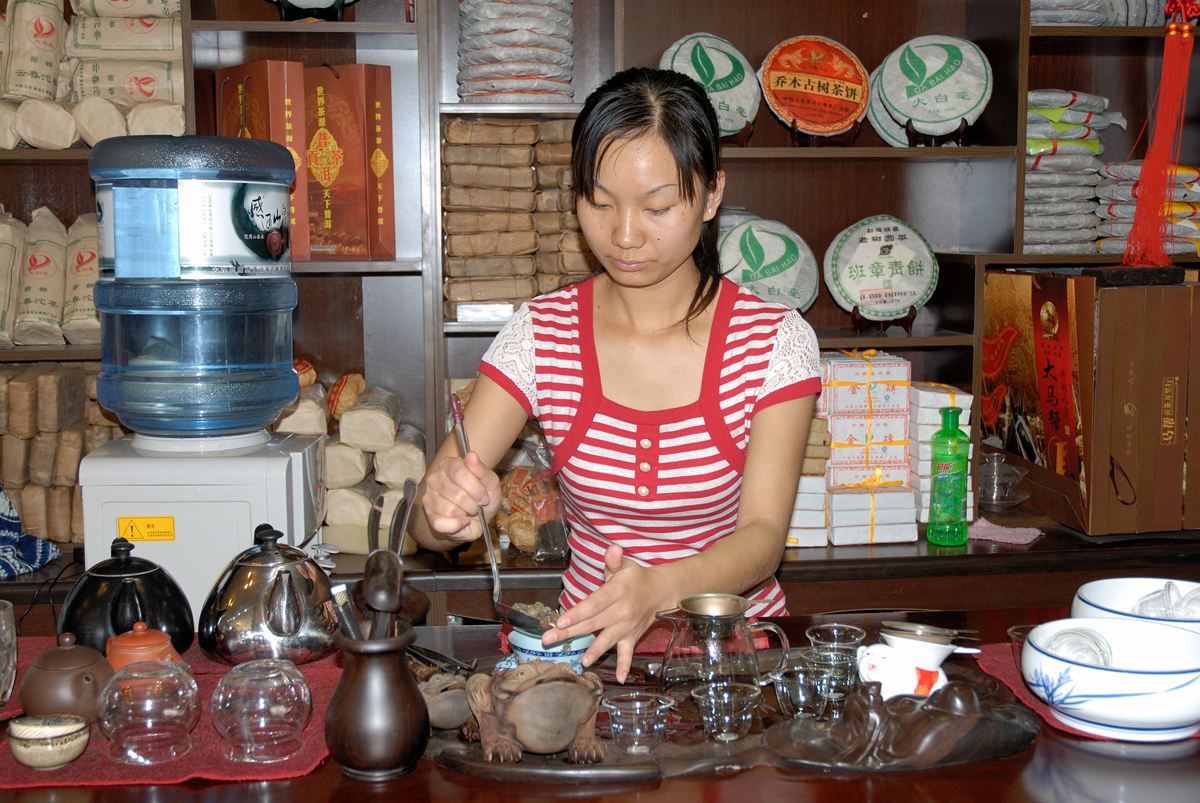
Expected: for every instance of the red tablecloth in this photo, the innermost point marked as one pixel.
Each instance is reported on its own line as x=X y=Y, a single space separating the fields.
x=205 y=760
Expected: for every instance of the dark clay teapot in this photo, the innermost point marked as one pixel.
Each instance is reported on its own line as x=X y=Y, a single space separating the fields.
x=115 y=594
x=65 y=679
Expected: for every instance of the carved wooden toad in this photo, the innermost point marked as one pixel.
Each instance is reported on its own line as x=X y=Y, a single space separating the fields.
x=539 y=706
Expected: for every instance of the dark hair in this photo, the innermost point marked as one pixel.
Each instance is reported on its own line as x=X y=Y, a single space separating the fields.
x=673 y=107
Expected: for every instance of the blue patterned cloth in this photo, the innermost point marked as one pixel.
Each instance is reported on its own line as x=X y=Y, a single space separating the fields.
x=20 y=552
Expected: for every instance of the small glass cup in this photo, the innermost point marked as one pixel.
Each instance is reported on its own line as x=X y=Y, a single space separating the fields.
x=1162 y=603
x=1017 y=634
x=798 y=688
x=1081 y=645
x=148 y=710
x=260 y=708
x=836 y=676
x=727 y=708
x=8 y=651
x=638 y=720
x=836 y=636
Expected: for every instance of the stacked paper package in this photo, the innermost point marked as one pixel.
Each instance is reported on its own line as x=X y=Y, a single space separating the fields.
x=926 y=419
x=809 y=525
x=866 y=401
x=1098 y=12
x=1118 y=194
x=1062 y=131
x=516 y=52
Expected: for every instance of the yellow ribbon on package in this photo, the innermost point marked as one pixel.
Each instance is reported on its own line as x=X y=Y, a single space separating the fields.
x=866 y=355
x=869 y=483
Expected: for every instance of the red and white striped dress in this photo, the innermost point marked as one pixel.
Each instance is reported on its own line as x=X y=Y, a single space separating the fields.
x=663 y=485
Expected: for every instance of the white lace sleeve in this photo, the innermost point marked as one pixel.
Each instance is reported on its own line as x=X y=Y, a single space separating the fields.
x=511 y=353
x=795 y=357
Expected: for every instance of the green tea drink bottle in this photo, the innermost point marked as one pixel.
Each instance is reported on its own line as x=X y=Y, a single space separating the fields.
x=948 y=494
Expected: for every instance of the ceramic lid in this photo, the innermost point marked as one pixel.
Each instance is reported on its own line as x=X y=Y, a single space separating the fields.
x=268 y=552
x=139 y=639
x=815 y=83
x=122 y=563
x=725 y=74
x=771 y=261
x=68 y=655
x=882 y=266
x=936 y=81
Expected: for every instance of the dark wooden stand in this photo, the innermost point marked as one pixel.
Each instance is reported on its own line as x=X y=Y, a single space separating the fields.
x=741 y=138
x=801 y=139
x=861 y=323
x=916 y=138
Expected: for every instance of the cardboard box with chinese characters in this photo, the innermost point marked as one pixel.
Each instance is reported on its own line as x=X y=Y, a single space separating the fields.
x=348 y=119
x=265 y=100
x=1086 y=387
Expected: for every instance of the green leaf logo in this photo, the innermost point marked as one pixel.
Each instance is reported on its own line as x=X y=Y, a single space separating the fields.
x=752 y=250
x=703 y=64
x=912 y=66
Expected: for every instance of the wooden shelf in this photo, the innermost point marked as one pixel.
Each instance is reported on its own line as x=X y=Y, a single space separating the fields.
x=64 y=352
x=545 y=109
x=1081 y=31
x=406 y=266
x=730 y=153
x=844 y=337
x=67 y=156
x=255 y=26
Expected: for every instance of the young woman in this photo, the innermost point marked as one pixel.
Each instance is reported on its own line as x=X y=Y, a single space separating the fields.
x=676 y=405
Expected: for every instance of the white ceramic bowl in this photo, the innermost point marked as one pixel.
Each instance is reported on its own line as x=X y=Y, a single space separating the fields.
x=1151 y=693
x=1117 y=596
x=528 y=647
x=48 y=742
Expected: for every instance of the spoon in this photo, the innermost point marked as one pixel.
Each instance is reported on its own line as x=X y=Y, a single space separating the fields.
x=382 y=578
x=397 y=535
x=507 y=613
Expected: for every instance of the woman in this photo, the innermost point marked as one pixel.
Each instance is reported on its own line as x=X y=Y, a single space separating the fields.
x=675 y=404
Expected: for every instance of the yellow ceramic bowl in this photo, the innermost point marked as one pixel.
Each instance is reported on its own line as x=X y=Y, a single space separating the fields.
x=48 y=742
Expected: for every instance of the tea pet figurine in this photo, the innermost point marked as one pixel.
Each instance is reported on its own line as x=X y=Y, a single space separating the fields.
x=446 y=697
x=542 y=707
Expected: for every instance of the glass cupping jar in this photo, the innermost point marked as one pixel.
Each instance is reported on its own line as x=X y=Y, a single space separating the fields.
x=195 y=293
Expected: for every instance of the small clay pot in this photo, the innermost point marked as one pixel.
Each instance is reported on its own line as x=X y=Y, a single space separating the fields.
x=140 y=644
x=66 y=679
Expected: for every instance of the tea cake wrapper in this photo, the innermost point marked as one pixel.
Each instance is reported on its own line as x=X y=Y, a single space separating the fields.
x=33 y=47
x=808 y=518
x=811 y=500
x=1063 y=163
x=811 y=485
x=885 y=497
x=885 y=126
x=128 y=82
x=882 y=266
x=492 y=243
x=490 y=176
x=936 y=81
x=528 y=55
x=14 y=461
x=727 y=76
x=814 y=466
x=1059 y=98
x=497 y=155
x=862 y=518
x=70 y=452
x=95 y=437
x=549 y=282
x=489 y=289
x=125 y=9
x=457 y=131
x=45 y=124
x=351 y=506
x=857 y=386
x=43 y=451
x=473 y=222
x=480 y=199
x=815 y=84
x=157 y=118
x=879 y=534
x=146 y=37
x=345 y=466
x=97 y=119
x=61 y=399
x=307 y=415
x=401 y=461
x=558 y=129
x=9 y=138
x=807 y=537
x=528 y=68
x=548 y=222
x=882 y=476
x=371 y=423
x=58 y=514
x=34 y=502
x=81 y=321
x=1039 y=145
x=489 y=266
x=771 y=261
x=13 y=238
x=868 y=441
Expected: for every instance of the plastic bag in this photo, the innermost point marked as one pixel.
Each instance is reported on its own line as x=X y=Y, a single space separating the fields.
x=531 y=514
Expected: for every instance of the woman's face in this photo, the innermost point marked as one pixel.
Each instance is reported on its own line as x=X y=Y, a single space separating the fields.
x=639 y=226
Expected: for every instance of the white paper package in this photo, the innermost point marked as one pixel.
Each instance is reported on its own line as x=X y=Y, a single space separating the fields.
x=807 y=537
x=1061 y=221
x=808 y=518
x=507 y=55
x=307 y=415
x=936 y=82
x=9 y=138
x=1045 y=129
x=1039 y=208
x=33 y=47
x=1059 y=193
x=158 y=117
x=811 y=485
x=371 y=423
x=811 y=501
x=81 y=322
x=124 y=8
x=345 y=466
x=1080 y=163
x=879 y=534
x=1132 y=171
x=1059 y=248
x=469 y=14
x=1174 y=245
x=404 y=459
x=12 y=255
x=152 y=38
x=927 y=399
x=1121 y=228
x=885 y=497
x=1066 y=16
x=1061 y=98
x=38 y=320
x=128 y=82
x=97 y=119
x=1123 y=191
x=1040 y=236
x=923 y=432
x=45 y=124
x=515 y=39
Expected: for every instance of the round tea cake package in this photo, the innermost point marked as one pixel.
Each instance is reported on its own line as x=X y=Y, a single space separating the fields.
x=725 y=74
x=815 y=84
x=771 y=261
x=888 y=129
x=936 y=81
x=881 y=265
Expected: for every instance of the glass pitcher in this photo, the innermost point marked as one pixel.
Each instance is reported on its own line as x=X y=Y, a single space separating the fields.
x=713 y=642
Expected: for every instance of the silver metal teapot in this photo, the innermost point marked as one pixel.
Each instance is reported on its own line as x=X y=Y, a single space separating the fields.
x=272 y=601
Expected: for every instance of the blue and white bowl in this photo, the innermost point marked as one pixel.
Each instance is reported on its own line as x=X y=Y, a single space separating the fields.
x=528 y=647
x=1117 y=597
x=1151 y=693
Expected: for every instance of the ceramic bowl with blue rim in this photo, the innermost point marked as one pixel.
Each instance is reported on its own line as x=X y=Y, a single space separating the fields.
x=528 y=647
x=1129 y=598
x=1150 y=692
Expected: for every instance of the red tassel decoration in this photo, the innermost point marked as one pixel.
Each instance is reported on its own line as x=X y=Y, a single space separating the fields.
x=1147 y=237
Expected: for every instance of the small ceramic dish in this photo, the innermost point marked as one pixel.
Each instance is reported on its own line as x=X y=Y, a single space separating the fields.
x=50 y=741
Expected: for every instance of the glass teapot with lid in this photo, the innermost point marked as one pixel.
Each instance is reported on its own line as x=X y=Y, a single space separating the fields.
x=712 y=642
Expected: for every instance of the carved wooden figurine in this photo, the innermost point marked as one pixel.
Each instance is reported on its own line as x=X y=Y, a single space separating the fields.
x=540 y=706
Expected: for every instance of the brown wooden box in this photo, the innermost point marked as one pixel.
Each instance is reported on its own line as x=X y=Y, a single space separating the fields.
x=265 y=100
x=348 y=114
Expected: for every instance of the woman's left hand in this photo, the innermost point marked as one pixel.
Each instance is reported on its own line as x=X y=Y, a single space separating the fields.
x=622 y=609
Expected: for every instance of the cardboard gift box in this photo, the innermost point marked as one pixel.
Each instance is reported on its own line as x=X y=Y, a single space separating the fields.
x=1087 y=388
x=265 y=100
x=348 y=120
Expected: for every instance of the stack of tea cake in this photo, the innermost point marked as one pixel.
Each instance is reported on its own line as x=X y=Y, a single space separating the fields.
x=563 y=255
x=881 y=514
x=925 y=419
x=514 y=52
x=1118 y=195
x=809 y=526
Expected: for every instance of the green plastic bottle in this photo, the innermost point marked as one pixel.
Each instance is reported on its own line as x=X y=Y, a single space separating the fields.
x=950 y=448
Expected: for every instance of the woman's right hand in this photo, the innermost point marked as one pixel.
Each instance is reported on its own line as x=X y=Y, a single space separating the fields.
x=454 y=488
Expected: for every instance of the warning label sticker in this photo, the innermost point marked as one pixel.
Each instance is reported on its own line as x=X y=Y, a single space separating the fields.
x=146 y=528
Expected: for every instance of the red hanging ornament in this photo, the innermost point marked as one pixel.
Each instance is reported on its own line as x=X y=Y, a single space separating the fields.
x=1147 y=237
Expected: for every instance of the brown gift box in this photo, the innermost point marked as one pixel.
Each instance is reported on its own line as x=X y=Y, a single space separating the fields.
x=1103 y=440
x=348 y=119
x=265 y=100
